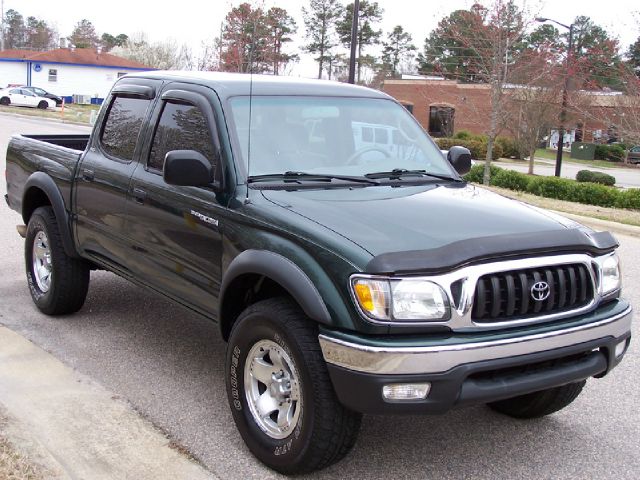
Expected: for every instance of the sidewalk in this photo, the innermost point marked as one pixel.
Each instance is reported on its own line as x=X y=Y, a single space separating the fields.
x=74 y=428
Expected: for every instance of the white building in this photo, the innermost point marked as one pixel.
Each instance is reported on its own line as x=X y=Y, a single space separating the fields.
x=66 y=72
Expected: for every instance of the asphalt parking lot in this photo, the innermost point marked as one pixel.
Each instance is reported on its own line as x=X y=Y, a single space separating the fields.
x=168 y=364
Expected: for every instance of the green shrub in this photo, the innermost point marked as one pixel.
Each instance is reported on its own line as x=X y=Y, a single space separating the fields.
x=509 y=147
x=629 y=199
x=559 y=188
x=594 y=194
x=476 y=174
x=476 y=145
x=551 y=187
x=595 y=177
x=463 y=135
x=511 y=179
x=612 y=153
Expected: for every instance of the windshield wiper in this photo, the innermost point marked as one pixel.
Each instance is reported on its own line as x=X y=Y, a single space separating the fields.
x=397 y=173
x=292 y=176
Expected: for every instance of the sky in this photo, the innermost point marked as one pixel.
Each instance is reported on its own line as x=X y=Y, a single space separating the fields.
x=195 y=21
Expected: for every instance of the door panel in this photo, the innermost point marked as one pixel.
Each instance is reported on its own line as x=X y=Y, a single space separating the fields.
x=104 y=174
x=174 y=229
x=174 y=250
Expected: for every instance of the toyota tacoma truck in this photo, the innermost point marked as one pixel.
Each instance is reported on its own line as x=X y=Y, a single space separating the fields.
x=348 y=265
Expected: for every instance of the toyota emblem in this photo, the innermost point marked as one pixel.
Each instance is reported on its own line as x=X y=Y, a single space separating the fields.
x=540 y=291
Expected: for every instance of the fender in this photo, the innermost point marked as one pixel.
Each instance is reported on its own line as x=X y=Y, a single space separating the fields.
x=283 y=271
x=45 y=183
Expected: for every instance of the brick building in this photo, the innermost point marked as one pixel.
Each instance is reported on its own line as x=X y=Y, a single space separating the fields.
x=444 y=107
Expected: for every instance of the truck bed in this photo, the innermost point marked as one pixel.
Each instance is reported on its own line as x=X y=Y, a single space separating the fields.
x=55 y=155
x=74 y=142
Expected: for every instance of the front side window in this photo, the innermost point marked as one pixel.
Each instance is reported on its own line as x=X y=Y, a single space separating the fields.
x=181 y=127
x=53 y=75
x=331 y=135
x=122 y=126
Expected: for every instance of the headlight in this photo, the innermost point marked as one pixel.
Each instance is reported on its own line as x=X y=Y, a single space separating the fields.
x=400 y=299
x=610 y=279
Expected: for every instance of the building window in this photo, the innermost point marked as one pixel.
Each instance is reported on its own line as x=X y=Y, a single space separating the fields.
x=121 y=74
x=441 y=121
x=53 y=75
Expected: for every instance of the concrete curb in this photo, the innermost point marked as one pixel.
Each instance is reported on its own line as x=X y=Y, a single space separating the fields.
x=600 y=225
x=76 y=428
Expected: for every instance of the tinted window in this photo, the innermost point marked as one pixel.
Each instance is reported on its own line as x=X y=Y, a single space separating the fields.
x=122 y=126
x=16 y=91
x=181 y=127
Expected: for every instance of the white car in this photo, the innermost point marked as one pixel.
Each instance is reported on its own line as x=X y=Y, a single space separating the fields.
x=24 y=98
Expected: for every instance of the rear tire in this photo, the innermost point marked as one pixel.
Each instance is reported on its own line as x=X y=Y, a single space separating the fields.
x=43 y=105
x=316 y=430
x=539 y=404
x=5 y=101
x=58 y=283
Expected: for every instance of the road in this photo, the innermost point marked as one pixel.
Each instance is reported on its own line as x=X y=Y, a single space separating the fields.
x=625 y=177
x=168 y=364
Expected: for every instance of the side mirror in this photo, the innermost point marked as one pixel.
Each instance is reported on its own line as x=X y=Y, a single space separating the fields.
x=187 y=168
x=460 y=159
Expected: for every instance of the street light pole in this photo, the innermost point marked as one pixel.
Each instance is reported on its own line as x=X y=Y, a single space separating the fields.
x=354 y=41
x=565 y=93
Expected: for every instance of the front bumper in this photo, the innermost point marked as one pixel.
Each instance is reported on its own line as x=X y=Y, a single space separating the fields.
x=467 y=369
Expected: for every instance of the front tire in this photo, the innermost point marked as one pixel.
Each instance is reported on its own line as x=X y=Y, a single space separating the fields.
x=43 y=105
x=58 y=283
x=539 y=404
x=279 y=390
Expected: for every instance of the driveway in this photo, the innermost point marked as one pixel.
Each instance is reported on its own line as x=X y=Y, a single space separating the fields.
x=625 y=177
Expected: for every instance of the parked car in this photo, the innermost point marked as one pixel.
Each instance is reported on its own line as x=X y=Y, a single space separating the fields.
x=24 y=98
x=43 y=93
x=634 y=155
x=348 y=275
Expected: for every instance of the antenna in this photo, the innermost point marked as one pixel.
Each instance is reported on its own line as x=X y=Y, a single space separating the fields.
x=251 y=52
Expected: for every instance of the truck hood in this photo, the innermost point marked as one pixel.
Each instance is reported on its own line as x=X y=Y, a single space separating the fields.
x=385 y=219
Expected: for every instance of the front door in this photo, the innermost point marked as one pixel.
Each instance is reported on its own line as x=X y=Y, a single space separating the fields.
x=175 y=230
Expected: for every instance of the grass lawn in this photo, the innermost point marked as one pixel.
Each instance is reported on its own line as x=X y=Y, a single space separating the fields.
x=72 y=112
x=551 y=155
x=620 y=215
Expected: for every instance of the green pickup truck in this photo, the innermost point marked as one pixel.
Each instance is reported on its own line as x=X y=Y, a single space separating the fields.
x=348 y=265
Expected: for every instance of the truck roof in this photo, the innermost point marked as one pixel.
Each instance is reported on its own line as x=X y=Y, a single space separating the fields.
x=232 y=84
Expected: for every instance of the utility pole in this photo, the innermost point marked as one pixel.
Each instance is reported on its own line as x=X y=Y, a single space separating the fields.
x=354 y=41
x=2 y=24
x=565 y=91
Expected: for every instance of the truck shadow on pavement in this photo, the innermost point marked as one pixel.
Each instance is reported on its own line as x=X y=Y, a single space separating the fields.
x=169 y=364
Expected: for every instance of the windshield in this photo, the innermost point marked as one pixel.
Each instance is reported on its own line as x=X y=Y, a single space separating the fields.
x=332 y=135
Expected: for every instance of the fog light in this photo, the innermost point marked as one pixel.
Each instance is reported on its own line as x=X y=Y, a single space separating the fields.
x=620 y=348
x=406 y=391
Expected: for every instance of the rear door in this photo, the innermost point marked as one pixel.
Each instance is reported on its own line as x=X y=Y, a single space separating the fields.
x=175 y=230
x=105 y=171
x=30 y=99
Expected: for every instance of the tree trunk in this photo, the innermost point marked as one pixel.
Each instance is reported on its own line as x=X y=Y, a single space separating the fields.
x=493 y=130
x=532 y=157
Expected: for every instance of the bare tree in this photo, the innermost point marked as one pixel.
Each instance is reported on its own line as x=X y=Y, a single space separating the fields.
x=164 y=55
x=491 y=37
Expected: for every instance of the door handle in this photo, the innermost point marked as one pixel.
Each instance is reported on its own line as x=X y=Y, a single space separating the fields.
x=139 y=195
x=88 y=175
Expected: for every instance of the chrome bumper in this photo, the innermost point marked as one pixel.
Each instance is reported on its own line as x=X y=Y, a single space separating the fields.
x=438 y=359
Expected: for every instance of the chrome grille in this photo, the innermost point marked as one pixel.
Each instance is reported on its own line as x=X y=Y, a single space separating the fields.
x=504 y=296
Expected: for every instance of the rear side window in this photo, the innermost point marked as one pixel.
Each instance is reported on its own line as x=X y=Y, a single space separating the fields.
x=181 y=127
x=122 y=126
